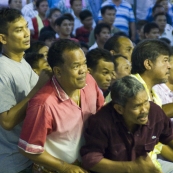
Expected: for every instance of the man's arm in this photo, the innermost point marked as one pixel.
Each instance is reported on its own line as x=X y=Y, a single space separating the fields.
x=12 y=117
x=168 y=109
x=167 y=151
x=142 y=163
x=52 y=163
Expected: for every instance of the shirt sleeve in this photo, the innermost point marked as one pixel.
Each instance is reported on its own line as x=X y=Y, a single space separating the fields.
x=37 y=125
x=131 y=15
x=96 y=143
x=7 y=97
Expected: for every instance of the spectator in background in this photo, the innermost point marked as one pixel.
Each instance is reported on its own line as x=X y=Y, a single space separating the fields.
x=151 y=31
x=47 y=37
x=119 y=45
x=84 y=47
x=82 y=33
x=37 y=62
x=167 y=9
x=53 y=14
x=165 y=90
x=101 y=34
x=15 y=4
x=108 y=13
x=125 y=20
x=53 y=3
x=65 y=6
x=140 y=30
x=165 y=29
x=38 y=47
x=64 y=28
x=100 y=66
x=40 y=20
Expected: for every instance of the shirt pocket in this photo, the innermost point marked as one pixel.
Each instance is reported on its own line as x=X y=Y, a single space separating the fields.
x=118 y=152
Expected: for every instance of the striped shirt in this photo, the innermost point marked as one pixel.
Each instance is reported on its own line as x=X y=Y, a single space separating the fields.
x=124 y=15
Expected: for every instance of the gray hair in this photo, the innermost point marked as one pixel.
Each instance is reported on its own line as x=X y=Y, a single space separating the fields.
x=125 y=88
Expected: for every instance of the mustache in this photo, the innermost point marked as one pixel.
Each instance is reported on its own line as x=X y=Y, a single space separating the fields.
x=143 y=115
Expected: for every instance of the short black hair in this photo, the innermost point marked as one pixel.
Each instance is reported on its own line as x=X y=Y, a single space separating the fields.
x=8 y=15
x=166 y=40
x=71 y=1
x=148 y=49
x=113 y=43
x=115 y=57
x=59 y=20
x=94 y=55
x=33 y=58
x=69 y=15
x=84 y=14
x=46 y=35
x=55 y=53
x=99 y=28
x=159 y=14
x=149 y=26
x=52 y=11
x=82 y=44
x=35 y=47
x=38 y=2
x=107 y=7
x=140 y=24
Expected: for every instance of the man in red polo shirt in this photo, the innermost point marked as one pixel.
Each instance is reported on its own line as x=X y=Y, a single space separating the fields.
x=52 y=132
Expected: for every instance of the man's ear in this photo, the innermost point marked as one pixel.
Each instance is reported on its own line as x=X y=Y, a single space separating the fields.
x=148 y=64
x=112 y=52
x=119 y=108
x=57 y=71
x=90 y=70
x=3 y=39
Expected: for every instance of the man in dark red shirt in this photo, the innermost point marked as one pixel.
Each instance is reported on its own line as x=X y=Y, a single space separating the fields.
x=121 y=134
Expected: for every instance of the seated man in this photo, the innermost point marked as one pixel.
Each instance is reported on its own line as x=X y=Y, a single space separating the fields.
x=165 y=30
x=101 y=33
x=52 y=132
x=151 y=31
x=122 y=132
x=100 y=66
x=119 y=45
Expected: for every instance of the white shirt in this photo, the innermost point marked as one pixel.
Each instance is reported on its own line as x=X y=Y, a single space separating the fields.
x=93 y=46
x=168 y=33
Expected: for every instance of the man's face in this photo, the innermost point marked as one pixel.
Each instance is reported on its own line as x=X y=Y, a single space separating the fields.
x=123 y=68
x=170 y=78
x=161 y=22
x=65 y=28
x=18 y=38
x=104 y=35
x=88 y=22
x=43 y=7
x=103 y=73
x=165 y=5
x=54 y=16
x=42 y=64
x=77 y=6
x=141 y=33
x=16 y=4
x=136 y=110
x=153 y=34
x=72 y=74
x=126 y=47
x=109 y=17
x=44 y=51
x=160 y=69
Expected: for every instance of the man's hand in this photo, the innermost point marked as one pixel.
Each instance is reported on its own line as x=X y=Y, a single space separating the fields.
x=144 y=164
x=73 y=169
